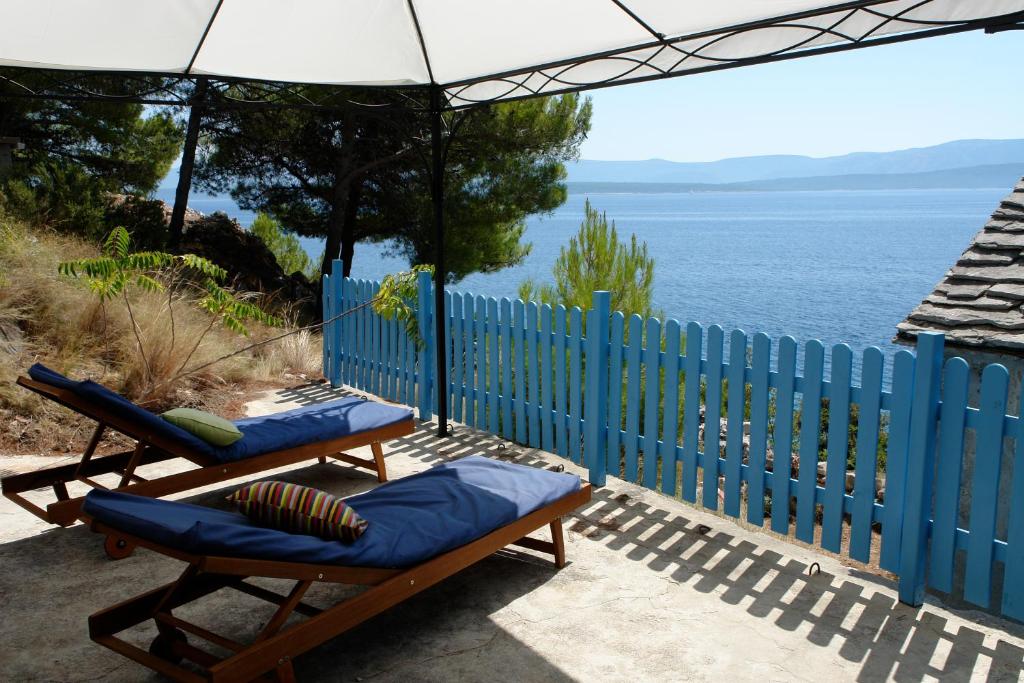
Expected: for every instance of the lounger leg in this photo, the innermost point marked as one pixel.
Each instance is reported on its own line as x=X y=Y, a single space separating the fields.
x=322 y=460
x=378 y=458
x=559 y=541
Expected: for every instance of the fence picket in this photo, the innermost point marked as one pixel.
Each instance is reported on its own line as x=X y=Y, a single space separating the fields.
x=614 y=419
x=810 y=423
x=652 y=394
x=782 y=435
x=837 y=448
x=506 y=369
x=547 y=435
x=633 y=355
x=713 y=416
x=985 y=491
x=952 y=423
x=449 y=341
x=493 y=388
x=336 y=288
x=864 y=493
x=691 y=410
x=1013 y=563
x=383 y=355
x=329 y=353
x=575 y=382
x=469 y=357
x=670 y=415
x=532 y=375
x=375 y=345
x=481 y=362
x=458 y=353
x=759 y=370
x=518 y=354
x=410 y=364
x=734 y=422
x=561 y=378
x=896 y=459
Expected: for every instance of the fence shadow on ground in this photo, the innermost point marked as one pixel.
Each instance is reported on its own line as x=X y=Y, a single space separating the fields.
x=887 y=638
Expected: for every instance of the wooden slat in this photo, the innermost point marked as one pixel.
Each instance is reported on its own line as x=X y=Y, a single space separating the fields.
x=507 y=429
x=712 y=416
x=633 y=356
x=519 y=367
x=480 y=332
x=493 y=387
x=691 y=417
x=458 y=353
x=385 y=358
x=561 y=378
x=532 y=377
x=469 y=376
x=670 y=411
x=985 y=488
x=547 y=435
x=329 y=354
x=732 y=483
x=864 y=492
x=896 y=459
x=810 y=426
x=1013 y=590
x=949 y=463
x=760 y=366
x=412 y=378
x=837 y=448
x=615 y=382
x=652 y=394
x=575 y=382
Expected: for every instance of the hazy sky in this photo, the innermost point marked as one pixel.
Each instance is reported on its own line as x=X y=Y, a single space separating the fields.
x=878 y=99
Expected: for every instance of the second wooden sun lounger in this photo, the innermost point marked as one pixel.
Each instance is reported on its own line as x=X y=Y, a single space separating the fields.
x=422 y=529
x=312 y=432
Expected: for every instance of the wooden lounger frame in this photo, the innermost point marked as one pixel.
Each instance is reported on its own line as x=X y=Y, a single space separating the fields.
x=152 y=448
x=275 y=647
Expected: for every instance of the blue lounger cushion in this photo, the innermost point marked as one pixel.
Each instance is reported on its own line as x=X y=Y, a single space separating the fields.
x=411 y=519
x=260 y=435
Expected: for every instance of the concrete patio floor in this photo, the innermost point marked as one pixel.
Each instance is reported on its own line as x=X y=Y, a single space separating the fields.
x=645 y=597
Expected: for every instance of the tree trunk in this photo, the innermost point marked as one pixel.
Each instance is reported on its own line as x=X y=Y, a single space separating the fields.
x=348 y=230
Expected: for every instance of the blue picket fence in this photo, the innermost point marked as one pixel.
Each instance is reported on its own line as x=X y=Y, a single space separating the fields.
x=579 y=384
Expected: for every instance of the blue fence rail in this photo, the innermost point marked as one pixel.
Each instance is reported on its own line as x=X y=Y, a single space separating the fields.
x=649 y=402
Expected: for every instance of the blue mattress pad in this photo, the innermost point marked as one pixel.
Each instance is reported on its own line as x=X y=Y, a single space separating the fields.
x=411 y=519
x=260 y=435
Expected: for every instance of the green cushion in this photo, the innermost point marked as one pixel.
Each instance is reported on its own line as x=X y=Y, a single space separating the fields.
x=212 y=429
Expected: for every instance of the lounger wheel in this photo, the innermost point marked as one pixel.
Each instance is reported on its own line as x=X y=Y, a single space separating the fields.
x=163 y=645
x=117 y=548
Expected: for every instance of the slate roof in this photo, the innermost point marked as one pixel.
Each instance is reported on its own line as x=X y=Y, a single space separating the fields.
x=979 y=302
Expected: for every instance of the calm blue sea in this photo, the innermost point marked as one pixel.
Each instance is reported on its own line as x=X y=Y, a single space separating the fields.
x=835 y=266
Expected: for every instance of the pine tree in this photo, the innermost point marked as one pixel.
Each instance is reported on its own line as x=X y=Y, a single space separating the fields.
x=596 y=259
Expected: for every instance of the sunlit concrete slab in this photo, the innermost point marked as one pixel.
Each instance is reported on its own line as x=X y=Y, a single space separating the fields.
x=649 y=594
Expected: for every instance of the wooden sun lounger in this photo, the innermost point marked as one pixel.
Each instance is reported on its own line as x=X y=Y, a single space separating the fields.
x=152 y=448
x=276 y=646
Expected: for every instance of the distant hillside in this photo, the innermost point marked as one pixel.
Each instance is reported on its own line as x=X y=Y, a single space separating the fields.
x=992 y=175
x=951 y=155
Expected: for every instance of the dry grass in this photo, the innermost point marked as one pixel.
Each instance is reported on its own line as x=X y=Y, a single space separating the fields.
x=56 y=320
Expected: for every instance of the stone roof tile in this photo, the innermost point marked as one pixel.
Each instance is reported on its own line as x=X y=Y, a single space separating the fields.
x=979 y=301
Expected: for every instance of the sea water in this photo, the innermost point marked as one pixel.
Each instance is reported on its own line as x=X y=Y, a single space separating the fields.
x=838 y=266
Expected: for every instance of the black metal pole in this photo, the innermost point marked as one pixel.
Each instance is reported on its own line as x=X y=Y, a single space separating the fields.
x=188 y=160
x=437 y=199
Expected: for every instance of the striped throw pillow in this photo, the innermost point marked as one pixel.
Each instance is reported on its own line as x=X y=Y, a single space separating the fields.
x=299 y=509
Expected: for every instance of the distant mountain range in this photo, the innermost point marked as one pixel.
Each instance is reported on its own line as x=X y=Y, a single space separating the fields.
x=992 y=175
x=962 y=163
x=958 y=164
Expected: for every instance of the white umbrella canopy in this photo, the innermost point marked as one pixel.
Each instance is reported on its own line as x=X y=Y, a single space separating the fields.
x=479 y=51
